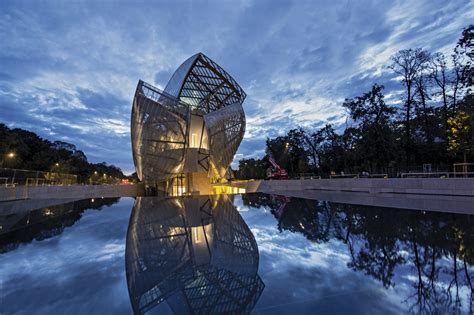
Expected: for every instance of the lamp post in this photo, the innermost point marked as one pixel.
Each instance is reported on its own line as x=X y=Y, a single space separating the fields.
x=10 y=156
x=93 y=178
x=55 y=172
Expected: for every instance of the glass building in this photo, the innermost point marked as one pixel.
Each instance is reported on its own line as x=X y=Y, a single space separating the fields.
x=185 y=137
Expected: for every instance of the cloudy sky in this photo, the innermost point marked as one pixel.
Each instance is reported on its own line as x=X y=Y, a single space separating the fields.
x=68 y=69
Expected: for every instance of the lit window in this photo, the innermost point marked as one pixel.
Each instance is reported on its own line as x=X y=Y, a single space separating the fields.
x=193 y=140
x=197 y=235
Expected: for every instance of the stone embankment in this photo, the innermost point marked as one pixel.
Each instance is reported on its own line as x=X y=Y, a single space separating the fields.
x=445 y=195
x=418 y=186
x=70 y=192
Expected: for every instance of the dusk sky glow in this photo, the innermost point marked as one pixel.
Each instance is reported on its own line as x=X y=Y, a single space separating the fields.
x=69 y=69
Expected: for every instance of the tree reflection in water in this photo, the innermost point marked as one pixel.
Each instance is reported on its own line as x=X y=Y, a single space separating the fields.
x=44 y=223
x=197 y=254
x=436 y=247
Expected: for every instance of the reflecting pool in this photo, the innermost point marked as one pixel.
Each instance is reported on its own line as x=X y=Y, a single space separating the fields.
x=255 y=253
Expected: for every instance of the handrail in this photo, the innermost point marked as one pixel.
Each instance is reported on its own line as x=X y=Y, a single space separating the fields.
x=383 y=175
x=306 y=176
x=438 y=174
x=13 y=177
x=344 y=176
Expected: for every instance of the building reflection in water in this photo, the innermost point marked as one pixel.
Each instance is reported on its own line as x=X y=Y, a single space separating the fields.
x=197 y=254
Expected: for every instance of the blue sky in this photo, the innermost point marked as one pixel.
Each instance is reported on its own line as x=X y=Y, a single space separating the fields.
x=68 y=69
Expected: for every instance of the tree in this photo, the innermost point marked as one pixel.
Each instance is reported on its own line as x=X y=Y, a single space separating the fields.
x=310 y=142
x=279 y=148
x=331 y=150
x=290 y=152
x=459 y=71
x=297 y=151
x=440 y=75
x=252 y=169
x=465 y=57
x=373 y=118
x=408 y=64
x=461 y=130
x=422 y=96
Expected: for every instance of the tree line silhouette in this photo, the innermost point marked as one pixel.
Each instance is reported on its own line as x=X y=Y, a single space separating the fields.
x=431 y=123
x=31 y=152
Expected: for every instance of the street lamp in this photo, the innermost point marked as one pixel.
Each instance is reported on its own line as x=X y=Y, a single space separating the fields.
x=57 y=164
x=6 y=157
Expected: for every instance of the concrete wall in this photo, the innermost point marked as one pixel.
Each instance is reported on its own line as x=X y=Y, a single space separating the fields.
x=73 y=191
x=430 y=186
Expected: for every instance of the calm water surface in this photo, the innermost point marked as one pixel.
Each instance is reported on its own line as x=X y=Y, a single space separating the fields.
x=252 y=253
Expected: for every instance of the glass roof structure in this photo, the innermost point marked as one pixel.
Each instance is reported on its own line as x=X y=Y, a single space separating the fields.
x=203 y=84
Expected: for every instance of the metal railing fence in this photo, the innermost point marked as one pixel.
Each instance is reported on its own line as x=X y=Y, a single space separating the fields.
x=17 y=177
x=438 y=175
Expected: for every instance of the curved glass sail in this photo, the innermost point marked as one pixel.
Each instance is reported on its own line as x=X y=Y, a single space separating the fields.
x=159 y=129
x=197 y=254
x=226 y=128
